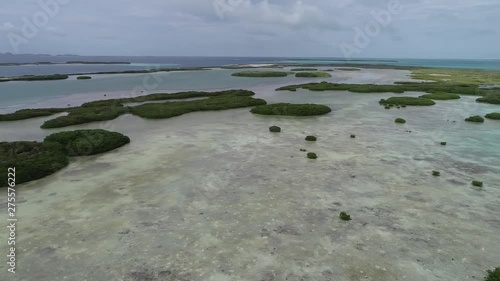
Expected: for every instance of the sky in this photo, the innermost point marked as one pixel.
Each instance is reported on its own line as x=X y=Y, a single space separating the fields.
x=308 y=28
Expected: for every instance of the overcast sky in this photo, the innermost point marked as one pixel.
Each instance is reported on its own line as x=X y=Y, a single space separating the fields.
x=317 y=28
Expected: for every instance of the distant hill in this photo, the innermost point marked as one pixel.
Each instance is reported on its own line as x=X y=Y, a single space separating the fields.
x=11 y=59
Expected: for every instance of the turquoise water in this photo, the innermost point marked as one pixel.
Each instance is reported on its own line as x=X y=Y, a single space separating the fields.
x=26 y=93
x=493 y=64
x=215 y=196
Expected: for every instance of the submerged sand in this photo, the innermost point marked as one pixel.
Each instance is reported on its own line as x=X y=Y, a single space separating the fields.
x=216 y=196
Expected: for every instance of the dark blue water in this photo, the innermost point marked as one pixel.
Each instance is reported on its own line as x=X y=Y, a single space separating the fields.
x=144 y=63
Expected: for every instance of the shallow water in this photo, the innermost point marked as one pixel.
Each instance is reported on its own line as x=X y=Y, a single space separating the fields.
x=16 y=95
x=215 y=196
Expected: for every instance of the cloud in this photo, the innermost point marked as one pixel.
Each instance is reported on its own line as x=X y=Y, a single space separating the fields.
x=259 y=27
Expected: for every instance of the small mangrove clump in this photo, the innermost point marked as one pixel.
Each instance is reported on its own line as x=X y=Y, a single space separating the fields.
x=314 y=74
x=274 y=129
x=491 y=96
x=35 y=160
x=88 y=142
x=353 y=136
x=407 y=101
x=312 y=155
x=476 y=119
x=303 y=149
x=303 y=69
x=260 y=74
x=493 y=275
x=311 y=138
x=345 y=216
x=493 y=116
x=441 y=96
x=288 y=109
x=436 y=173
x=477 y=183
x=83 y=77
x=444 y=143
x=400 y=121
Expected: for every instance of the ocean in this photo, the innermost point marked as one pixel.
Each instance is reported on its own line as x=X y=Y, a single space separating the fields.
x=144 y=63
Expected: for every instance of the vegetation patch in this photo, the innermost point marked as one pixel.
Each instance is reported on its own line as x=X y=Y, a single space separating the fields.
x=88 y=142
x=349 y=69
x=304 y=69
x=407 y=101
x=477 y=183
x=30 y=113
x=260 y=74
x=83 y=77
x=314 y=74
x=345 y=216
x=467 y=76
x=441 y=96
x=311 y=138
x=436 y=173
x=494 y=116
x=312 y=155
x=490 y=96
x=462 y=89
x=32 y=160
x=288 y=109
x=353 y=136
x=172 y=109
x=35 y=78
x=476 y=119
x=35 y=160
x=104 y=110
x=444 y=143
x=493 y=275
x=400 y=121
x=274 y=129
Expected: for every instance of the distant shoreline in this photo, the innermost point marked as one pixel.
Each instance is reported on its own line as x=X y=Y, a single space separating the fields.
x=61 y=63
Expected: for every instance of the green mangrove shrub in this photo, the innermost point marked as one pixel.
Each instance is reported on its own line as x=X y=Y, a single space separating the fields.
x=493 y=116
x=407 y=101
x=88 y=142
x=441 y=96
x=444 y=143
x=345 y=216
x=83 y=77
x=490 y=96
x=493 y=275
x=314 y=74
x=400 y=121
x=288 y=109
x=104 y=110
x=260 y=74
x=312 y=155
x=304 y=69
x=311 y=138
x=477 y=183
x=32 y=160
x=401 y=87
x=30 y=113
x=274 y=129
x=476 y=119
x=436 y=173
